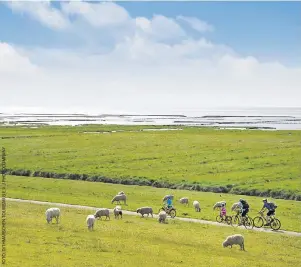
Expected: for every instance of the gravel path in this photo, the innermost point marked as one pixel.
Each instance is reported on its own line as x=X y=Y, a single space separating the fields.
x=266 y=230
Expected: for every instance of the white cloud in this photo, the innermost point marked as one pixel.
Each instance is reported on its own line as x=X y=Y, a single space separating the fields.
x=160 y=28
x=142 y=72
x=42 y=12
x=195 y=23
x=102 y=14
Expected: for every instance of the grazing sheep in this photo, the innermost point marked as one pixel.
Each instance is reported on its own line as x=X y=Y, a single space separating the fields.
x=52 y=213
x=235 y=240
x=119 y=198
x=121 y=193
x=184 y=200
x=90 y=221
x=162 y=216
x=167 y=196
x=117 y=212
x=102 y=212
x=145 y=210
x=196 y=206
x=219 y=204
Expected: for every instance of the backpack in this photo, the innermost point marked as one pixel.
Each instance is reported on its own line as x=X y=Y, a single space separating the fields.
x=245 y=204
x=273 y=205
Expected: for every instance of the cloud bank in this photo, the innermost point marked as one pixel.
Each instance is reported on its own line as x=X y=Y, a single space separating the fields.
x=135 y=64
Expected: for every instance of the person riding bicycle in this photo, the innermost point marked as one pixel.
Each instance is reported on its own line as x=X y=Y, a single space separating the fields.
x=168 y=203
x=245 y=208
x=270 y=206
x=223 y=211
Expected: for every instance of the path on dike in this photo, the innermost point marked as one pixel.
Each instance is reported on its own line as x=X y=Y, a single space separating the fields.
x=290 y=233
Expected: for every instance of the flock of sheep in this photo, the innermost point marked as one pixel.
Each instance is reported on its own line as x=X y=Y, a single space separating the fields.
x=54 y=213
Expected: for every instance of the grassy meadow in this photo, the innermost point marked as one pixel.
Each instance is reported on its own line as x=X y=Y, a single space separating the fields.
x=252 y=162
x=98 y=194
x=134 y=241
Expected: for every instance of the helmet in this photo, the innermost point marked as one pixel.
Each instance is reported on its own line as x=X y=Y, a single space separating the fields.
x=264 y=200
x=240 y=200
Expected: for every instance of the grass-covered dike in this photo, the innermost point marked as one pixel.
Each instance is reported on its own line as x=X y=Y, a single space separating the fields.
x=280 y=194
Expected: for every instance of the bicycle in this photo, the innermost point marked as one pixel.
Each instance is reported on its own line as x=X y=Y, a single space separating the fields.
x=169 y=211
x=226 y=219
x=259 y=221
x=238 y=220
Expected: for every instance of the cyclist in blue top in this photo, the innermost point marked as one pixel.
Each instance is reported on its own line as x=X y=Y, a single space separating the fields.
x=270 y=206
x=169 y=203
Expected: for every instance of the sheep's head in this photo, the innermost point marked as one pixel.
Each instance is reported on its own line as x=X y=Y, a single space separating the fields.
x=225 y=244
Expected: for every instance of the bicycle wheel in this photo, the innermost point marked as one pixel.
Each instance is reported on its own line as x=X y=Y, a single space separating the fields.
x=236 y=220
x=229 y=220
x=275 y=224
x=258 y=222
x=219 y=218
x=248 y=223
x=172 y=213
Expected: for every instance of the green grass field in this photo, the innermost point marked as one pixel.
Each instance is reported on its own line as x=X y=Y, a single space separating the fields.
x=98 y=194
x=134 y=241
x=250 y=162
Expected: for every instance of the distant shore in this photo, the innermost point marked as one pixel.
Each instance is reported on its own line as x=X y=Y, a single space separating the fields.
x=232 y=120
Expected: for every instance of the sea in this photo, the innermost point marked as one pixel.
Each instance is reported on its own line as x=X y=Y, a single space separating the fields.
x=222 y=118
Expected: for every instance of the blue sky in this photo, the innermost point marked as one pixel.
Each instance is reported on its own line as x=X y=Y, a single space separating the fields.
x=267 y=30
x=156 y=57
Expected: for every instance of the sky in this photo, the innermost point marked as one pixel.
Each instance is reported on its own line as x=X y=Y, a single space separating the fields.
x=148 y=57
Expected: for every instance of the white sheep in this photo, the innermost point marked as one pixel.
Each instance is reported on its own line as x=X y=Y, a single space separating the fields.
x=52 y=213
x=102 y=212
x=167 y=196
x=219 y=204
x=162 y=216
x=117 y=212
x=90 y=221
x=235 y=240
x=196 y=206
x=184 y=200
x=145 y=210
x=119 y=198
x=121 y=193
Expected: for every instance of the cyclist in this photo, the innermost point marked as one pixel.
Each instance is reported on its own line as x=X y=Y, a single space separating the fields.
x=270 y=206
x=168 y=203
x=223 y=211
x=244 y=208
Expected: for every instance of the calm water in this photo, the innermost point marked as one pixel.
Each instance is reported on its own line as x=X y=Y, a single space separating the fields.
x=265 y=118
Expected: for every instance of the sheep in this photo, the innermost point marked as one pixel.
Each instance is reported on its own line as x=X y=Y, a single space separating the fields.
x=184 y=200
x=52 y=213
x=219 y=204
x=196 y=206
x=117 y=212
x=102 y=212
x=235 y=240
x=90 y=221
x=162 y=216
x=121 y=193
x=145 y=210
x=119 y=198
x=166 y=197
